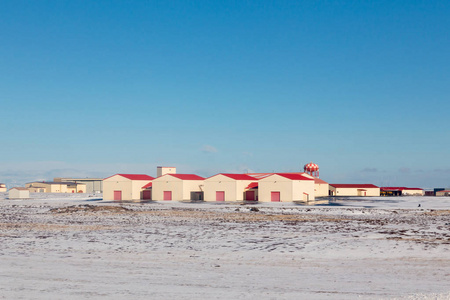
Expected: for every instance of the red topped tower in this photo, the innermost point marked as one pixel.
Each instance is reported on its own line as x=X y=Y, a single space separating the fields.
x=311 y=169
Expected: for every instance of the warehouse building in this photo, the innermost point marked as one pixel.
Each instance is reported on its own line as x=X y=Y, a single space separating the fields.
x=401 y=191
x=93 y=185
x=286 y=187
x=125 y=186
x=19 y=193
x=55 y=187
x=177 y=187
x=226 y=187
x=354 y=190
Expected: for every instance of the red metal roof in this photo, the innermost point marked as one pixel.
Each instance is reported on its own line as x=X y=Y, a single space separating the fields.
x=391 y=188
x=318 y=180
x=236 y=176
x=293 y=176
x=134 y=176
x=187 y=176
x=252 y=185
x=147 y=185
x=351 y=185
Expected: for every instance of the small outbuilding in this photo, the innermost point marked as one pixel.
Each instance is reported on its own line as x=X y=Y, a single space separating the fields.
x=286 y=187
x=2 y=188
x=227 y=187
x=125 y=186
x=354 y=190
x=19 y=193
x=177 y=187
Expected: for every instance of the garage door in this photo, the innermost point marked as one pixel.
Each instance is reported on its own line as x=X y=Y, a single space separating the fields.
x=118 y=195
x=168 y=195
x=275 y=196
x=220 y=196
x=147 y=195
x=250 y=195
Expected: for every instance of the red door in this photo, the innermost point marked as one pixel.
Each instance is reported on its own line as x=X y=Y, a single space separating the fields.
x=275 y=196
x=220 y=196
x=118 y=195
x=250 y=195
x=168 y=195
x=147 y=195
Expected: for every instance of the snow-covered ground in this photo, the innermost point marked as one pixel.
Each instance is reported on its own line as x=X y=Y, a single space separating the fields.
x=78 y=246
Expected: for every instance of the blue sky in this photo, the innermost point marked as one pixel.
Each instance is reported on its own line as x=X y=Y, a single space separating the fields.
x=93 y=88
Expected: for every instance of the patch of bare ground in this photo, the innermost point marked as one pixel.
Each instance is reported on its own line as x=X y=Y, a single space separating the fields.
x=432 y=212
x=89 y=208
x=52 y=227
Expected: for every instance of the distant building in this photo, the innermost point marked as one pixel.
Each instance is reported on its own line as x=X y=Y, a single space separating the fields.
x=93 y=185
x=442 y=193
x=177 y=187
x=55 y=187
x=401 y=191
x=286 y=187
x=2 y=187
x=354 y=190
x=125 y=186
x=19 y=193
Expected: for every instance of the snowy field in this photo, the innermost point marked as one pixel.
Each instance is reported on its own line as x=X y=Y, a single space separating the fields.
x=78 y=246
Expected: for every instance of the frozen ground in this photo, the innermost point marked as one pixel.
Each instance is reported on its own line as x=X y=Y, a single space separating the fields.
x=75 y=246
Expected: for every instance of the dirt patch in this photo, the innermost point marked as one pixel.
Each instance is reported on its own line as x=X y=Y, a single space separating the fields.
x=89 y=208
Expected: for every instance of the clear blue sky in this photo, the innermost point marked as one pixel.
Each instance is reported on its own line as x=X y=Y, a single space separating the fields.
x=93 y=88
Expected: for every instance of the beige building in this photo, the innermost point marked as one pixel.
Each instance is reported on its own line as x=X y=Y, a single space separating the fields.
x=354 y=190
x=125 y=186
x=93 y=185
x=55 y=187
x=413 y=192
x=177 y=187
x=286 y=187
x=443 y=193
x=19 y=193
x=227 y=187
x=2 y=187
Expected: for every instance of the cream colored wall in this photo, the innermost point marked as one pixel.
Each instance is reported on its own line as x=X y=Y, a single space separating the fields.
x=220 y=183
x=354 y=191
x=191 y=186
x=303 y=186
x=18 y=194
x=413 y=192
x=442 y=193
x=161 y=171
x=117 y=183
x=2 y=189
x=290 y=190
x=321 y=189
x=167 y=183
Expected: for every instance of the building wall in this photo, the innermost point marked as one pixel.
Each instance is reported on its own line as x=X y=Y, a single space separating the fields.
x=354 y=191
x=93 y=185
x=18 y=194
x=181 y=189
x=160 y=171
x=221 y=183
x=167 y=183
x=413 y=192
x=321 y=189
x=290 y=190
x=119 y=183
x=443 y=193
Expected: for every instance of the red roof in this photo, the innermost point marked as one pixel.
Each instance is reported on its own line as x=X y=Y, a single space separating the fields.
x=187 y=176
x=236 y=176
x=318 y=180
x=391 y=188
x=351 y=185
x=134 y=176
x=252 y=185
x=147 y=185
x=293 y=176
